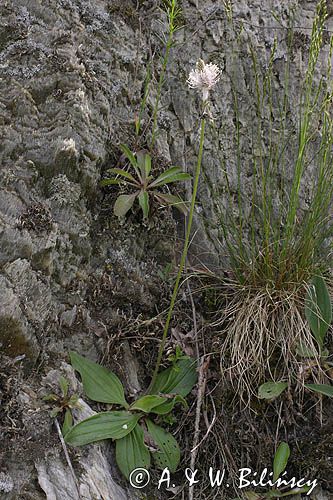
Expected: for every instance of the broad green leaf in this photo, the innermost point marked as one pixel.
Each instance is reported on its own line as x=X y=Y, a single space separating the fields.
x=177 y=379
x=147 y=403
x=99 y=383
x=327 y=390
x=122 y=173
x=131 y=452
x=174 y=201
x=168 y=454
x=123 y=204
x=109 y=182
x=167 y=407
x=281 y=458
x=271 y=390
x=318 y=308
x=104 y=425
x=68 y=422
x=144 y=203
x=64 y=384
x=164 y=408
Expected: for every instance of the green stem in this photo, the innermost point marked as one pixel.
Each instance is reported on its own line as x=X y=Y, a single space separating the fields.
x=183 y=257
x=160 y=84
x=173 y=12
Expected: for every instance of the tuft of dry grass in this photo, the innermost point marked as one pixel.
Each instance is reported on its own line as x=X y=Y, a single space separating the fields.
x=263 y=331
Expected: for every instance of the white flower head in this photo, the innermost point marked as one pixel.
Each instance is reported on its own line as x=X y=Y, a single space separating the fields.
x=204 y=77
x=125 y=426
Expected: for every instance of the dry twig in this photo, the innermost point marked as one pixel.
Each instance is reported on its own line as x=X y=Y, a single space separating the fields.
x=68 y=460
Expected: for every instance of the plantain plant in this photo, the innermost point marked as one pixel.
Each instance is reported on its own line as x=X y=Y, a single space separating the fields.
x=138 y=438
x=144 y=185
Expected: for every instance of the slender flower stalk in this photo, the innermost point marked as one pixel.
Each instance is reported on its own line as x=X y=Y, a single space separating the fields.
x=159 y=87
x=203 y=78
x=183 y=257
x=173 y=12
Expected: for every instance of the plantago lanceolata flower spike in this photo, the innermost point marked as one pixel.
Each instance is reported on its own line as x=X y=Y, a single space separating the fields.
x=204 y=77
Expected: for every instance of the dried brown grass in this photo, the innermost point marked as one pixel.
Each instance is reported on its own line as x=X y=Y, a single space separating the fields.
x=263 y=329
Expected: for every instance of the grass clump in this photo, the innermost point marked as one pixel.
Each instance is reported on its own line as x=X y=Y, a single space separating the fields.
x=275 y=242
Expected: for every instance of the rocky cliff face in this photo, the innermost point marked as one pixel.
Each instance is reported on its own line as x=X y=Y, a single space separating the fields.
x=71 y=80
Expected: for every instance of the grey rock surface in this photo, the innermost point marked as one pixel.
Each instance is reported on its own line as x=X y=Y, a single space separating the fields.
x=95 y=479
x=71 y=78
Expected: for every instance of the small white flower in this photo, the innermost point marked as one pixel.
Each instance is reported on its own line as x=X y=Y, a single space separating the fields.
x=204 y=77
x=125 y=426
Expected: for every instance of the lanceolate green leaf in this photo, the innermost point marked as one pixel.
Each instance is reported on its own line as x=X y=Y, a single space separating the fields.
x=173 y=200
x=147 y=403
x=175 y=178
x=271 y=390
x=68 y=422
x=147 y=164
x=130 y=156
x=64 y=384
x=167 y=173
x=144 y=163
x=327 y=390
x=110 y=182
x=280 y=460
x=178 y=379
x=123 y=204
x=140 y=155
x=144 y=203
x=122 y=173
x=318 y=308
x=168 y=454
x=131 y=452
x=168 y=177
x=104 y=425
x=99 y=383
